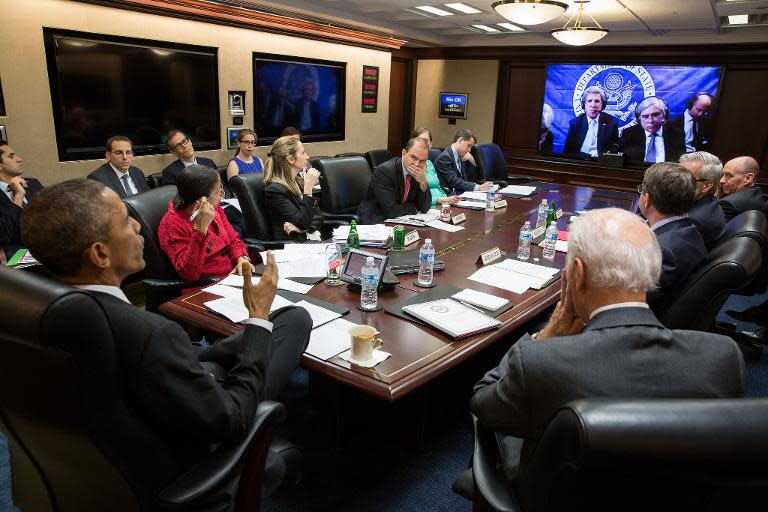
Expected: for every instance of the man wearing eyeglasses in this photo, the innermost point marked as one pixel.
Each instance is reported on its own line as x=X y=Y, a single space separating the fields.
x=652 y=139
x=118 y=173
x=181 y=147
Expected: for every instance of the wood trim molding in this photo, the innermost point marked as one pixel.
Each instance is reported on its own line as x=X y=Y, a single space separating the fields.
x=208 y=12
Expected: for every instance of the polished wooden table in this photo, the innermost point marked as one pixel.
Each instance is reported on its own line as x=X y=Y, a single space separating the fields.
x=419 y=353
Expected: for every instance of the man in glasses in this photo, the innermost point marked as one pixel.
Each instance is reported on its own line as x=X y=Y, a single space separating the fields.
x=706 y=213
x=652 y=139
x=181 y=147
x=118 y=173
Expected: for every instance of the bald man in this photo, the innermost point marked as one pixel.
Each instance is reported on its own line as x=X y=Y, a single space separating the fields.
x=737 y=190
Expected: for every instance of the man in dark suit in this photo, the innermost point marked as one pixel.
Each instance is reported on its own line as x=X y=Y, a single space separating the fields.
x=696 y=122
x=181 y=147
x=705 y=213
x=15 y=192
x=653 y=139
x=169 y=383
x=737 y=190
x=118 y=173
x=666 y=197
x=307 y=111
x=398 y=186
x=456 y=167
x=601 y=341
x=594 y=131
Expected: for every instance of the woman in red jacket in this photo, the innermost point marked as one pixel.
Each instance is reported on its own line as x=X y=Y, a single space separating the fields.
x=195 y=232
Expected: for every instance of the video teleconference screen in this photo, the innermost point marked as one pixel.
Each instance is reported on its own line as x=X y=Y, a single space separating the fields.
x=648 y=113
x=103 y=86
x=304 y=93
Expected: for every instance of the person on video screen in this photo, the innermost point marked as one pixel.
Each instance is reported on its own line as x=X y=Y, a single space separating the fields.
x=594 y=131
x=696 y=122
x=652 y=139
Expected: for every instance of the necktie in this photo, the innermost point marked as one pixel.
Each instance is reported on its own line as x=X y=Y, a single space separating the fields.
x=650 y=151
x=695 y=130
x=407 y=188
x=127 y=185
x=458 y=166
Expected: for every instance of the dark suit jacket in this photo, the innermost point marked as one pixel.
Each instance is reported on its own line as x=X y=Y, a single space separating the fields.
x=623 y=353
x=702 y=141
x=454 y=179
x=708 y=218
x=314 y=116
x=682 y=252
x=607 y=133
x=383 y=199
x=746 y=199
x=107 y=176
x=171 y=172
x=633 y=145
x=283 y=207
x=10 y=215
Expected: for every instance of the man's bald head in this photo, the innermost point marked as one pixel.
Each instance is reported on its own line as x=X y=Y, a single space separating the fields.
x=738 y=174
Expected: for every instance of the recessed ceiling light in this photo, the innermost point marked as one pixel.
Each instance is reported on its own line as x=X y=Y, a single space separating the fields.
x=466 y=9
x=434 y=10
x=486 y=28
x=511 y=27
x=739 y=19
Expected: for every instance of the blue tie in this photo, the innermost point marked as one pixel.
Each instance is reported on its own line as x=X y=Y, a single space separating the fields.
x=650 y=151
x=127 y=185
x=458 y=166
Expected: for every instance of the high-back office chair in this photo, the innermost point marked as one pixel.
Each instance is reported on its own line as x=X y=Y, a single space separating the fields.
x=751 y=224
x=344 y=182
x=63 y=412
x=345 y=155
x=162 y=281
x=433 y=154
x=730 y=267
x=155 y=180
x=493 y=166
x=639 y=455
x=249 y=189
x=377 y=157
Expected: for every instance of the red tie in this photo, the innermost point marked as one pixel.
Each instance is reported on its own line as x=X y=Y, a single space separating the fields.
x=407 y=188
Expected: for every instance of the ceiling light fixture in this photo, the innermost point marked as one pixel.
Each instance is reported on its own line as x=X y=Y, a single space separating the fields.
x=463 y=8
x=434 y=10
x=509 y=26
x=738 y=19
x=579 y=35
x=488 y=29
x=529 y=12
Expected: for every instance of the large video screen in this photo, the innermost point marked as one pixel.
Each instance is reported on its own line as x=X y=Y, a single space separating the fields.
x=307 y=94
x=649 y=113
x=104 y=85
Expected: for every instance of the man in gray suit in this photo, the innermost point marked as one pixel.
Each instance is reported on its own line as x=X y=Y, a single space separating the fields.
x=118 y=173
x=602 y=341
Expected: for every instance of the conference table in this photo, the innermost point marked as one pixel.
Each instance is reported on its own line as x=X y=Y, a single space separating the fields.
x=419 y=353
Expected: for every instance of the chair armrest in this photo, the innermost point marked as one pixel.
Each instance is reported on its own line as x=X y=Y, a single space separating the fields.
x=221 y=465
x=490 y=482
x=173 y=284
x=266 y=244
x=500 y=183
x=338 y=219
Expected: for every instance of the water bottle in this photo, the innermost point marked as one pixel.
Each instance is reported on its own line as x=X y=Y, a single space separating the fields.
x=490 y=197
x=541 y=219
x=426 y=262
x=524 y=249
x=353 y=239
x=550 y=239
x=369 y=285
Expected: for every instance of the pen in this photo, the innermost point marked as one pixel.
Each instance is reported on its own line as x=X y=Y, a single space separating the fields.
x=194 y=214
x=470 y=306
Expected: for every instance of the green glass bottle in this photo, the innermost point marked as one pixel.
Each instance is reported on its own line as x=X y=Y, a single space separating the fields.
x=353 y=239
x=552 y=214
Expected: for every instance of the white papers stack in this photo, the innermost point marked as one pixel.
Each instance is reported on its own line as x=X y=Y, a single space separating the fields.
x=371 y=235
x=452 y=317
x=519 y=190
x=438 y=224
x=475 y=196
x=330 y=339
x=483 y=300
x=234 y=308
x=300 y=260
x=514 y=275
x=318 y=314
x=283 y=284
x=416 y=219
x=472 y=205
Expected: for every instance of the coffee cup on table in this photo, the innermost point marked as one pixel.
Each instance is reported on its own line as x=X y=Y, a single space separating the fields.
x=364 y=342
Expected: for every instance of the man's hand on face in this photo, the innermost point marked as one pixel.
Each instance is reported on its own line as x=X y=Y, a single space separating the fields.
x=18 y=187
x=564 y=321
x=418 y=174
x=469 y=158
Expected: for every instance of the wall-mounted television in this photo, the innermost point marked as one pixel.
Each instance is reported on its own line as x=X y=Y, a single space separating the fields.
x=307 y=94
x=453 y=105
x=105 y=85
x=648 y=113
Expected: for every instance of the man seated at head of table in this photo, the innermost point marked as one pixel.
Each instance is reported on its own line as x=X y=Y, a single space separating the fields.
x=169 y=383
x=666 y=197
x=602 y=340
x=737 y=190
x=195 y=232
x=456 y=166
x=439 y=197
x=118 y=173
x=706 y=213
x=398 y=186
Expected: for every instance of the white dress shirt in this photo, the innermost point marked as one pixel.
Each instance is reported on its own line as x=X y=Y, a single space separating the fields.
x=663 y=222
x=590 y=140
x=617 y=306
x=688 y=126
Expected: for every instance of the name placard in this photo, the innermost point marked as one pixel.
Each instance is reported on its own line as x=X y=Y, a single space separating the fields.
x=458 y=219
x=537 y=232
x=501 y=203
x=559 y=213
x=489 y=256
x=411 y=237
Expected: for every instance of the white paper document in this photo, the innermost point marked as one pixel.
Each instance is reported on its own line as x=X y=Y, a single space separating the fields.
x=452 y=317
x=519 y=190
x=475 y=196
x=500 y=278
x=530 y=269
x=224 y=291
x=319 y=314
x=330 y=339
x=283 y=284
x=372 y=235
x=315 y=266
x=234 y=202
x=295 y=252
x=438 y=224
x=234 y=308
x=472 y=205
x=484 y=300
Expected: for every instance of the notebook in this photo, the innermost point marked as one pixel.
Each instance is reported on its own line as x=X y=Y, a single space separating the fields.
x=452 y=317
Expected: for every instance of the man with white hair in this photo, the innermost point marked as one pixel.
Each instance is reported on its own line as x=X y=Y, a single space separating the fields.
x=592 y=132
x=705 y=213
x=602 y=340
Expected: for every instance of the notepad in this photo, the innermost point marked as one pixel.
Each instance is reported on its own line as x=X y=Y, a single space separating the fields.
x=452 y=317
x=484 y=300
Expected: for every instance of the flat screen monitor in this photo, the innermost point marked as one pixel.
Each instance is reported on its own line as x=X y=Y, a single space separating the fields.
x=104 y=85
x=307 y=94
x=593 y=109
x=453 y=105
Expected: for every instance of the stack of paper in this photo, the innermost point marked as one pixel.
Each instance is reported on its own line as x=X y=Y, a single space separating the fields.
x=417 y=219
x=518 y=190
x=514 y=275
x=480 y=299
x=475 y=196
x=452 y=317
x=282 y=283
x=329 y=340
x=471 y=205
x=371 y=235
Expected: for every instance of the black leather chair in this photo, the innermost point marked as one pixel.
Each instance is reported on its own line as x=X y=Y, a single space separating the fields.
x=639 y=455
x=377 y=157
x=730 y=267
x=493 y=166
x=63 y=412
x=155 y=180
x=162 y=281
x=344 y=182
x=344 y=155
x=249 y=190
x=433 y=154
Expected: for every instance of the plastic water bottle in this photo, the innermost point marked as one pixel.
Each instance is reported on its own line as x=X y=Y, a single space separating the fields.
x=541 y=219
x=550 y=239
x=524 y=249
x=369 y=297
x=426 y=262
x=490 y=197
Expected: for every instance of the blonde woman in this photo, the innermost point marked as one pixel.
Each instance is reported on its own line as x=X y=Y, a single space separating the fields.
x=244 y=161
x=289 y=200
